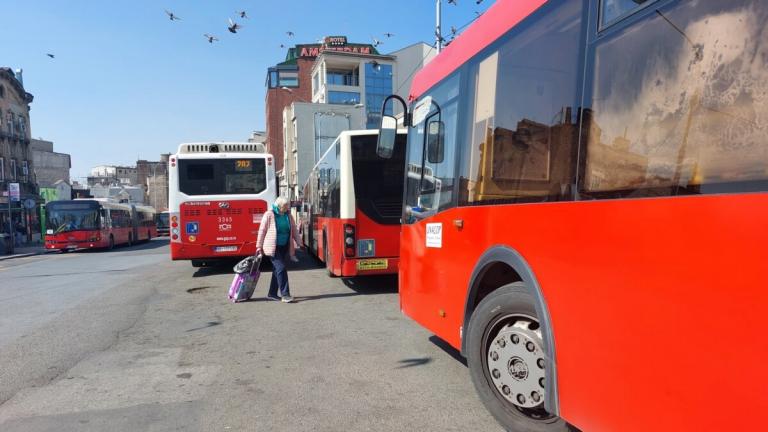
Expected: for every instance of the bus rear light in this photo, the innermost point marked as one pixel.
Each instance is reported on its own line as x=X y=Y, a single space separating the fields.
x=269 y=161
x=174 y=237
x=174 y=219
x=349 y=240
x=174 y=225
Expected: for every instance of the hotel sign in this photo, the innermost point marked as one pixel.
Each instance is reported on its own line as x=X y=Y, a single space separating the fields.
x=336 y=44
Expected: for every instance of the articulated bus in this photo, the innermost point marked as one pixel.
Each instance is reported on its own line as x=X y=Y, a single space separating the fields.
x=93 y=224
x=353 y=203
x=598 y=249
x=218 y=195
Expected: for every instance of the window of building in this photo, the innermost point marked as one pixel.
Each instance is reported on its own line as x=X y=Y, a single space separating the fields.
x=25 y=169
x=315 y=83
x=342 y=78
x=523 y=132
x=378 y=85
x=342 y=97
x=289 y=79
x=2 y=169
x=684 y=110
x=272 y=81
x=13 y=169
x=612 y=10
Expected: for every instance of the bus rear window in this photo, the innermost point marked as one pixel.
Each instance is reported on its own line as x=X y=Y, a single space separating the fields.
x=222 y=177
x=378 y=182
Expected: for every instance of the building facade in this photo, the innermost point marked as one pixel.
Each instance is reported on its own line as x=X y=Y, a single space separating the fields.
x=290 y=82
x=50 y=169
x=15 y=156
x=310 y=129
x=153 y=176
x=112 y=175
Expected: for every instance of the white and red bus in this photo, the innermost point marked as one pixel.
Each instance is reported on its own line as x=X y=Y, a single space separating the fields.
x=598 y=248
x=94 y=223
x=353 y=200
x=218 y=194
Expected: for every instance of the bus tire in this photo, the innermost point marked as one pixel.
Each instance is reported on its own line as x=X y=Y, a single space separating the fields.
x=130 y=239
x=504 y=327
x=149 y=235
x=111 y=244
x=198 y=263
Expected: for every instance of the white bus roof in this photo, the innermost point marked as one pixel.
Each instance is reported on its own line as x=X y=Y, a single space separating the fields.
x=221 y=147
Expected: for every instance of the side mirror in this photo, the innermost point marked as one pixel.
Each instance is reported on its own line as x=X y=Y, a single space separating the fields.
x=388 y=130
x=387 y=134
x=435 y=139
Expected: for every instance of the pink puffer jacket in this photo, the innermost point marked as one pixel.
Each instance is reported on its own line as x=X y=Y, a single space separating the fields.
x=267 y=239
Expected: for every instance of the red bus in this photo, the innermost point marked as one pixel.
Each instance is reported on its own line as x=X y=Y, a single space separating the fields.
x=218 y=193
x=353 y=200
x=91 y=224
x=598 y=248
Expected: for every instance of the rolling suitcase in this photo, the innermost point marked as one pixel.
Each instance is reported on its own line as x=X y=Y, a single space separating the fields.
x=246 y=276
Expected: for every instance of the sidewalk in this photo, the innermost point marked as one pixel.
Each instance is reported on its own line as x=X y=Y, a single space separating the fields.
x=24 y=251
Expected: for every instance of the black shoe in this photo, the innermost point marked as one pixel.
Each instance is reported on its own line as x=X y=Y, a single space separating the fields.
x=274 y=298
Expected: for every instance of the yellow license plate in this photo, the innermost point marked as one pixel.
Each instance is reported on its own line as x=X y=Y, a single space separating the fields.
x=372 y=264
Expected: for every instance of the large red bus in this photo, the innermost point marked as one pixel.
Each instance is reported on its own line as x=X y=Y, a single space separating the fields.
x=353 y=202
x=598 y=248
x=93 y=224
x=218 y=193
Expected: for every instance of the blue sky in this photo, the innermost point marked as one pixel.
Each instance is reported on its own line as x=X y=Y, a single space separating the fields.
x=128 y=83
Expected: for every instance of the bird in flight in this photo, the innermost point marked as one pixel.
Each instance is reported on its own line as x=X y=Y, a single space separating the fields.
x=289 y=33
x=242 y=14
x=51 y=55
x=282 y=46
x=453 y=2
x=211 y=38
x=233 y=26
x=389 y=35
x=453 y=31
x=478 y=1
x=376 y=42
x=172 y=16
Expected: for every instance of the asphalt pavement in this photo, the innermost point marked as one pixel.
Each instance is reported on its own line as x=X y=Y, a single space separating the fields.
x=130 y=341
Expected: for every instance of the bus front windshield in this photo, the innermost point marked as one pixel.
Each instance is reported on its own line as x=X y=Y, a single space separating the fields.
x=222 y=176
x=71 y=217
x=163 y=220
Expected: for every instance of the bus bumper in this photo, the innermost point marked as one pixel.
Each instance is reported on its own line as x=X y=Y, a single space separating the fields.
x=188 y=251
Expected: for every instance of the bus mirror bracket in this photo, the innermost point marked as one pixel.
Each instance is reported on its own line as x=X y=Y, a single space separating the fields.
x=385 y=144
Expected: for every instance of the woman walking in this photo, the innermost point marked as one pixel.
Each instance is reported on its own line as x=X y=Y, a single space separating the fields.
x=277 y=235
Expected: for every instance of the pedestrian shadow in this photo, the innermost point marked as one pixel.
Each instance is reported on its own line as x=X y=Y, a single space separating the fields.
x=449 y=349
x=413 y=362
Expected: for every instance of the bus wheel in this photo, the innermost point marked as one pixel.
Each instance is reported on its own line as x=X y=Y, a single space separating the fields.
x=507 y=360
x=149 y=235
x=130 y=239
x=111 y=244
x=198 y=263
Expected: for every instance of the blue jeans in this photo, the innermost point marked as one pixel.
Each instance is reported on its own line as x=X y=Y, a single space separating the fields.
x=279 y=273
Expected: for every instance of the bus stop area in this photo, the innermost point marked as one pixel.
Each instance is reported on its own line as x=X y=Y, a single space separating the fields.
x=128 y=340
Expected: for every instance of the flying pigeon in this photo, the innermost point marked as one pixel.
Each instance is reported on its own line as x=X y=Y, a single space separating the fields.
x=376 y=42
x=233 y=26
x=389 y=35
x=172 y=16
x=244 y=15
x=211 y=38
x=453 y=2
x=51 y=55
x=289 y=33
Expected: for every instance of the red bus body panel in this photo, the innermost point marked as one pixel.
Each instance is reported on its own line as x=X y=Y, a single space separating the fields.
x=231 y=224
x=87 y=239
x=386 y=239
x=658 y=308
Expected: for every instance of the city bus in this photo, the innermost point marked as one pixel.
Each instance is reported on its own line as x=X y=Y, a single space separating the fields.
x=164 y=223
x=598 y=250
x=353 y=201
x=218 y=193
x=94 y=224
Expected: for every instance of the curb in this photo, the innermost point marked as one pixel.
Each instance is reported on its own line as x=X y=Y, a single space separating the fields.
x=24 y=255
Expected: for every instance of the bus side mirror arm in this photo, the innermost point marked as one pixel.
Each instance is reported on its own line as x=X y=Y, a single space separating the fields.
x=385 y=144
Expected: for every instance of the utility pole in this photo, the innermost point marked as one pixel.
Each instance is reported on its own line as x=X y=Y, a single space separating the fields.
x=438 y=28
